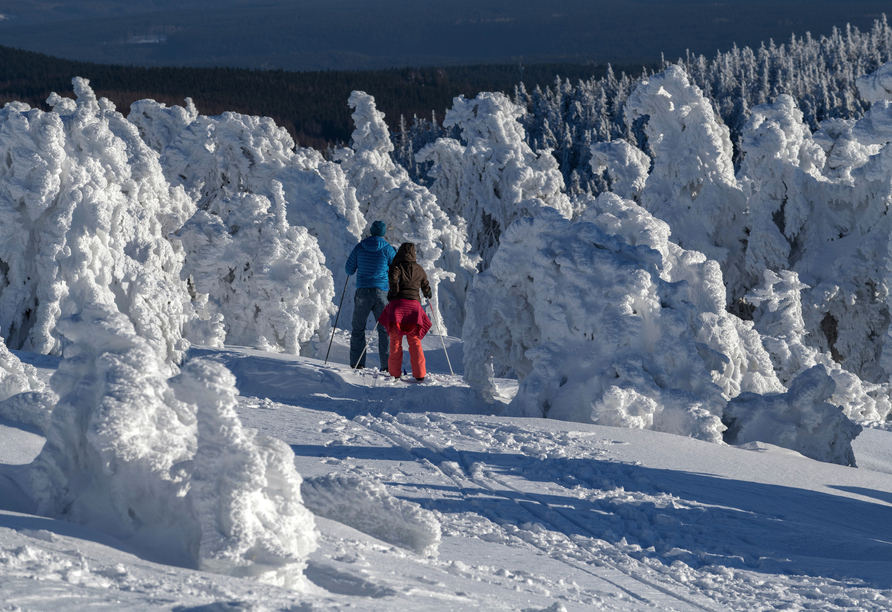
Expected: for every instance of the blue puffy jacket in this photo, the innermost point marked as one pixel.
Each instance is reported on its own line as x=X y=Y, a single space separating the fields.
x=370 y=260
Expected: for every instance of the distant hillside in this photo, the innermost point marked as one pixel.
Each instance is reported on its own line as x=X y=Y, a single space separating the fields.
x=361 y=35
x=312 y=106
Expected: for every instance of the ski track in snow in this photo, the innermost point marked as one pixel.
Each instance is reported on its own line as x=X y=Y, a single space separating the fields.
x=545 y=526
x=536 y=515
x=468 y=476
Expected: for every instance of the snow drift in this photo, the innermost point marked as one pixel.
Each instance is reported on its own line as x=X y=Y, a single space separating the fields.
x=367 y=507
x=800 y=419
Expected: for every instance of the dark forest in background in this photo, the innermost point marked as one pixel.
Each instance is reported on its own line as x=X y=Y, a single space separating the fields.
x=312 y=106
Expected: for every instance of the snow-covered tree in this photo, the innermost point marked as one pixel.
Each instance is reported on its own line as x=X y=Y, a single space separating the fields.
x=411 y=212
x=119 y=443
x=778 y=318
x=818 y=207
x=234 y=155
x=266 y=278
x=495 y=178
x=626 y=165
x=165 y=465
x=780 y=159
x=692 y=186
x=22 y=396
x=84 y=215
x=245 y=492
x=625 y=329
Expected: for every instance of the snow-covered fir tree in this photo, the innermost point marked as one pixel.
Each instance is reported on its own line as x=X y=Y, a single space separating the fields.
x=495 y=178
x=411 y=212
x=85 y=213
x=265 y=211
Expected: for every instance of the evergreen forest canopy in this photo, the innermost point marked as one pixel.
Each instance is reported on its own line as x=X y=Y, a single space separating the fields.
x=359 y=35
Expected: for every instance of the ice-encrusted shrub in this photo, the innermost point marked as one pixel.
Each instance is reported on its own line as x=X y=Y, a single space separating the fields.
x=411 y=212
x=625 y=330
x=495 y=178
x=800 y=419
x=165 y=464
x=233 y=155
x=266 y=278
x=84 y=215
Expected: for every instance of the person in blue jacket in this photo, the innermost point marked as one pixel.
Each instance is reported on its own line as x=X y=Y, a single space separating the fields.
x=370 y=260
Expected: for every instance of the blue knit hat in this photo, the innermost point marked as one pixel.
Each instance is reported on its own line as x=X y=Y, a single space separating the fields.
x=378 y=228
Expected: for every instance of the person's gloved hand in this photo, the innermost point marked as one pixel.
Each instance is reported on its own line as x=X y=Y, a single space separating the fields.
x=390 y=296
x=428 y=294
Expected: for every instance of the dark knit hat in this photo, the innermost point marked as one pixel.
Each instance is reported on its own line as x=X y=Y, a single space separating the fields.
x=378 y=228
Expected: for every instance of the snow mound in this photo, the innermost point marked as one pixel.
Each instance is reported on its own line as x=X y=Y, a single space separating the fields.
x=368 y=507
x=800 y=419
x=166 y=466
x=84 y=217
x=411 y=212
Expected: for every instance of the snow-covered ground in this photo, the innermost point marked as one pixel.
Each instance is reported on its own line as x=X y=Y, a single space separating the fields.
x=424 y=500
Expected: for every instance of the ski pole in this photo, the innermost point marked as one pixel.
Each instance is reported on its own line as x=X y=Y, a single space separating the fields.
x=441 y=337
x=333 y=329
x=366 y=345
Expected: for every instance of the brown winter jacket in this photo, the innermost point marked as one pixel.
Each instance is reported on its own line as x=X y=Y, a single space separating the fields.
x=405 y=277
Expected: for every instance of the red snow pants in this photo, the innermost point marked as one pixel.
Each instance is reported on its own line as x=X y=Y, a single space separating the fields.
x=416 y=353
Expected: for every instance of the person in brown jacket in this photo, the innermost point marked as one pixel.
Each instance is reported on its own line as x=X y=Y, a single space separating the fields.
x=403 y=315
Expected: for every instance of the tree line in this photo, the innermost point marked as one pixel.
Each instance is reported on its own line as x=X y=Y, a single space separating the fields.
x=312 y=106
